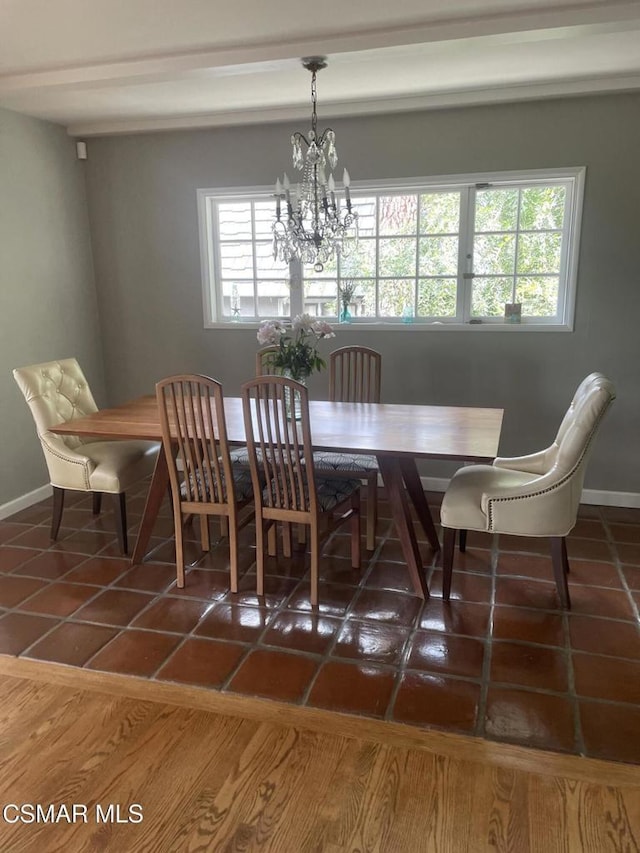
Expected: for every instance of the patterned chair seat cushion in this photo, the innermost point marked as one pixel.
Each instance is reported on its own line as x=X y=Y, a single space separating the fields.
x=324 y=460
x=240 y=456
x=330 y=492
x=242 y=483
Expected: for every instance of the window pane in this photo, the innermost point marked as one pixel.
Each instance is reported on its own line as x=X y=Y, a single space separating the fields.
x=238 y=295
x=266 y=266
x=438 y=256
x=539 y=253
x=273 y=299
x=236 y=260
x=489 y=296
x=437 y=297
x=321 y=297
x=330 y=270
x=394 y=296
x=398 y=214
x=440 y=213
x=360 y=259
x=397 y=256
x=264 y=213
x=494 y=254
x=365 y=299
x=539 y=296
x=496 y=210
x=542 y=207
x=366 y=210
x=234 y=221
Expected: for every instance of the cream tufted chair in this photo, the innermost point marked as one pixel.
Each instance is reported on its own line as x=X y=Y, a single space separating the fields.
x=57 y=392
x=535 y=495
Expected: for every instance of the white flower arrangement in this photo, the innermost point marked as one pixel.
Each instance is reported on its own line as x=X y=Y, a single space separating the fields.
x=297 y=345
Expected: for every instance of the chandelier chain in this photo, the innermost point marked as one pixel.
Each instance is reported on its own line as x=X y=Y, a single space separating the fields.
x=314 y=101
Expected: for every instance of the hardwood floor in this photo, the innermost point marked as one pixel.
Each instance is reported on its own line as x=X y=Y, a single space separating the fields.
x=259 y=778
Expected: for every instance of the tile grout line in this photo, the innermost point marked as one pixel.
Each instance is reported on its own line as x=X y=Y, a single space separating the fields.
x=480 y=726
x=158 y=597
x=324 y=659
x=408 y=646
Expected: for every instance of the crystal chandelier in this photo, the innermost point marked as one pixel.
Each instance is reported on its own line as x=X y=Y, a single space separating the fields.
x=313 y=228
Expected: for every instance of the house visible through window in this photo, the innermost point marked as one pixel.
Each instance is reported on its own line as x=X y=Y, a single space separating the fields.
x=446 y=252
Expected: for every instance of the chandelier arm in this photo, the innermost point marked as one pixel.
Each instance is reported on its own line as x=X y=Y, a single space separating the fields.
x=301 y=136
x=322 y=139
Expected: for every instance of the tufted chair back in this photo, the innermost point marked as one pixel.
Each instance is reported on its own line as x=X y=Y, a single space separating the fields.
x=56 y=392
x=581 y=391
x=548 y=504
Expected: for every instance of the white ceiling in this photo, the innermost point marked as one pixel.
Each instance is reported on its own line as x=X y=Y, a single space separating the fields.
x=117 y=66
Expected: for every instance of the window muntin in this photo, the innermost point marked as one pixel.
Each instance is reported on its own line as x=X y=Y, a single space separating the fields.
x=446 y=252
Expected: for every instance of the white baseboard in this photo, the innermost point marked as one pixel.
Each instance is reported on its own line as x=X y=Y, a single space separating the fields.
x=598 y=496
x=589 y=496
x=25 y=501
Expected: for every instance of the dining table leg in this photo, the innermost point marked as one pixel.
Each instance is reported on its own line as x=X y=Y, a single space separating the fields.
x=392 y=476
x=411 y=479
x=156 y=495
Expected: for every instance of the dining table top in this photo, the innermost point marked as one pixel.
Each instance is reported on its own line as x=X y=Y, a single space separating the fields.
x=422 y=432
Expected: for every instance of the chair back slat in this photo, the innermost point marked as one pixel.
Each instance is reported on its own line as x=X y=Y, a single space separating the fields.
x=194 y=436
x=278 y=443
x=264 y=363
x=354 y=375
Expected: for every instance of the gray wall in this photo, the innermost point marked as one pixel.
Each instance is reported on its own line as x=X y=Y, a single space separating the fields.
x=142 y=201
x=48 y=305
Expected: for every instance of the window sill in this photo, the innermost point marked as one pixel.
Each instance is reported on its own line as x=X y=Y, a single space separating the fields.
x=415 y=327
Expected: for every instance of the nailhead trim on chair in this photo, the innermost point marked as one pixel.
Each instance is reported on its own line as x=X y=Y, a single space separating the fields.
x=555 y=485
x=71 y=462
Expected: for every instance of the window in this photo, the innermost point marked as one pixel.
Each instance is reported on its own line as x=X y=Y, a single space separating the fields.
x=432 y=253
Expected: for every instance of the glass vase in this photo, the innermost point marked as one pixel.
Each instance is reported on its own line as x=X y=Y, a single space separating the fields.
x=345 y=315
x=292 y=406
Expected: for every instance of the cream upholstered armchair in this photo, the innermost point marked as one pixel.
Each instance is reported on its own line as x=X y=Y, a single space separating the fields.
x=57 y=392
x=535 y=495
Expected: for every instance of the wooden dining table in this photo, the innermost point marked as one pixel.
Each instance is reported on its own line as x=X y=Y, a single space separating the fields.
x=398 y=435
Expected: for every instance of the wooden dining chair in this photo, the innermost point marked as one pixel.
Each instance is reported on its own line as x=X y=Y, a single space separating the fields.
x=264 y=367
x=203 y=480
x=354 y=377
x=278 y=448
x=264 y=363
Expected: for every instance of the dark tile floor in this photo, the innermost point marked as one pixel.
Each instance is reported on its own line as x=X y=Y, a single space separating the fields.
x=500 y=661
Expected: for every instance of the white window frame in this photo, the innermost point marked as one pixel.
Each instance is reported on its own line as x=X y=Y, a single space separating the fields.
x=574 y=178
